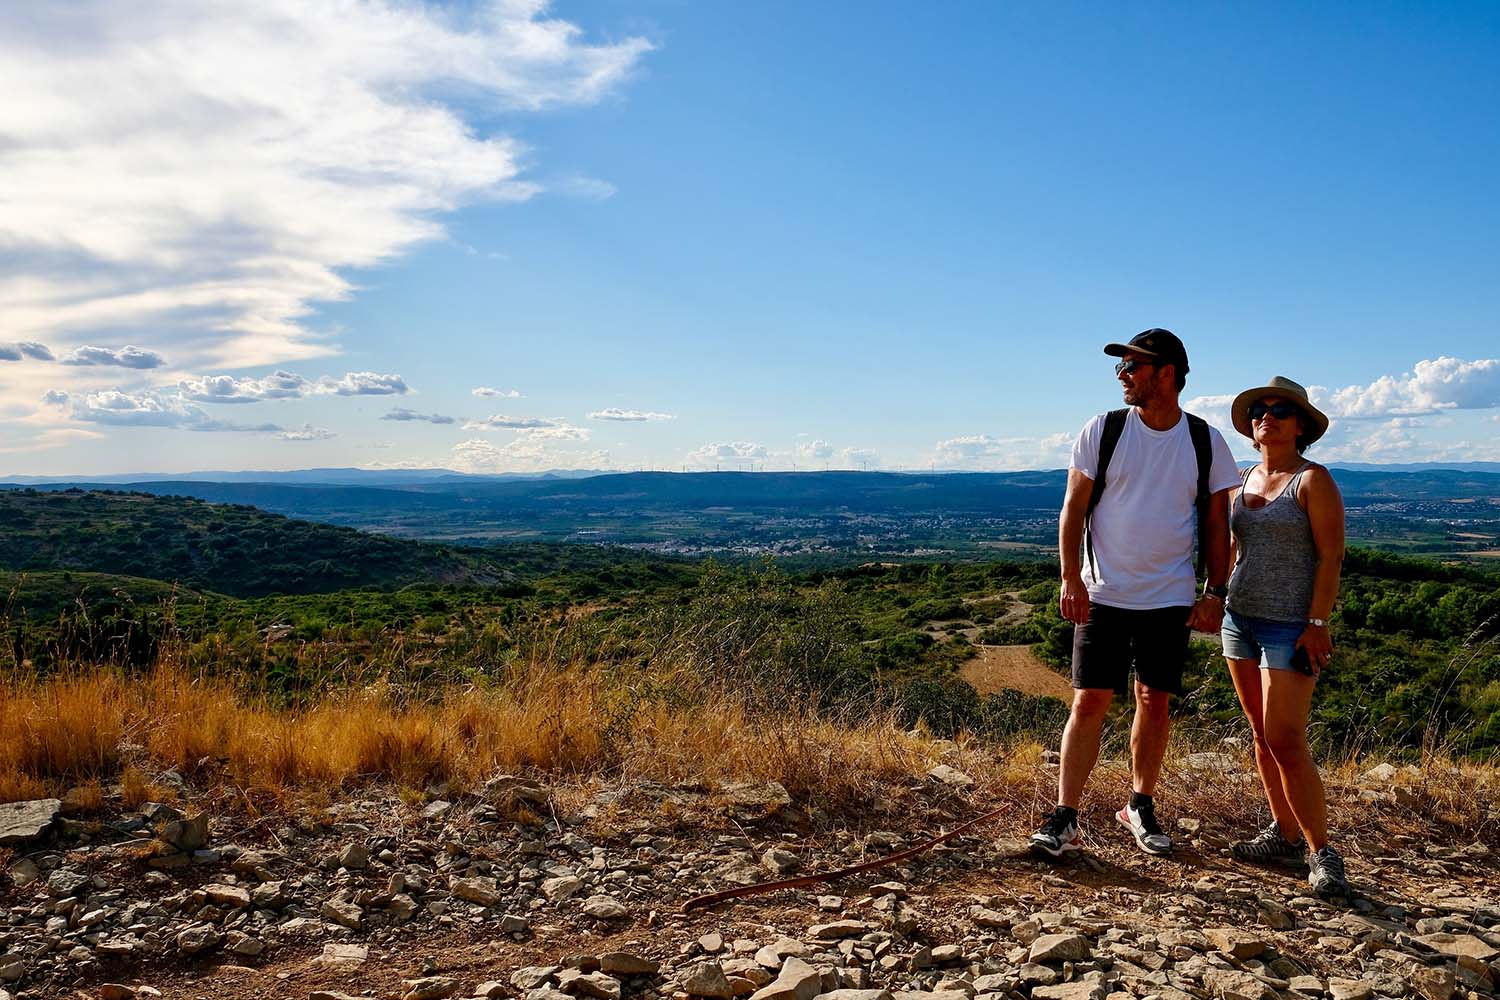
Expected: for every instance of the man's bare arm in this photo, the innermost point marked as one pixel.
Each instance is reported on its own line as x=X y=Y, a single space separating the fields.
x=1073 y=600
x=1208 y=612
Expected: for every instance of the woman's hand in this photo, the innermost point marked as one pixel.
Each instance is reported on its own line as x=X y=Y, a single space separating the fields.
x=1319 y=645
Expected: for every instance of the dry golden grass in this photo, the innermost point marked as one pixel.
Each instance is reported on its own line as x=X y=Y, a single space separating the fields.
x=97 y=727
x=81 y=726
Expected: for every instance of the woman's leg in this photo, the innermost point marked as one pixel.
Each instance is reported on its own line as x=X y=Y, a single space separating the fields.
x=1246 y=675
x=1288 y=700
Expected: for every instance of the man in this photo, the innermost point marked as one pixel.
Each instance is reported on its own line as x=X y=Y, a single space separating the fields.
x=1132 y=599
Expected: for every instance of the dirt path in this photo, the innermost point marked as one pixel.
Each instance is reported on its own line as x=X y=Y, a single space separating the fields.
x=995 y=668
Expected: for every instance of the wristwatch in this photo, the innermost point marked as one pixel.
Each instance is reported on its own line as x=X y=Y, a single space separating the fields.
x=1221 y=591
x=1319 y=622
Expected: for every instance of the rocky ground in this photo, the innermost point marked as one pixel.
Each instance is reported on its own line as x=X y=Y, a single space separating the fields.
x=526 y=891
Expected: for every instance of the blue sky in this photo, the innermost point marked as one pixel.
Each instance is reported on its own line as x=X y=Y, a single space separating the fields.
x=688 y=235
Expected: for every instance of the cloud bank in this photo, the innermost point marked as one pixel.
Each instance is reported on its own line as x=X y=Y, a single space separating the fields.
x=984 y=453
x=732 y=452
x=504 y=422
x=125 y=357
x=1431 y=386
x=401 y=413
x=629 y=416
x=159 y=178
x=25 y=349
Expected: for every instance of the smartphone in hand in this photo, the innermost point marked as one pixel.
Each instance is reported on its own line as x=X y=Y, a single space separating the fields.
x=1301 y=662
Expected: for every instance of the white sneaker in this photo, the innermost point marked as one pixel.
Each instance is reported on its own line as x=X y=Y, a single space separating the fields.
x=1143 y=826
x=1056 y=837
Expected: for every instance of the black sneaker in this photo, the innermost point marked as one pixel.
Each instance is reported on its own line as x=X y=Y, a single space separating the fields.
x=1270 y=847
x=1325 y=873
x=1057 y=836
x=1144 y=827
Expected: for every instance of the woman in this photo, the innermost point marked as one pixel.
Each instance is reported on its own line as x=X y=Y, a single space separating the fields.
x=1287 y=527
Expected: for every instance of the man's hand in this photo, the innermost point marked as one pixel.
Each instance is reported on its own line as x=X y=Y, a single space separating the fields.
x=1207 y=614
x=1073 y=600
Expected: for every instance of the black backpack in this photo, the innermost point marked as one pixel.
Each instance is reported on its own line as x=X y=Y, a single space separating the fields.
x=1114 y=426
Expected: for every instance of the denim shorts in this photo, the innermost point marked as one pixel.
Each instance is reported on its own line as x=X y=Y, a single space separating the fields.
x=1271 y=643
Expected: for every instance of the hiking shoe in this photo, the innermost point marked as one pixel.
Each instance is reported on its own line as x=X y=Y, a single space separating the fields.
x=1143 y=826
x=1057 y=836
x=1325 y=873
x=1270 y=847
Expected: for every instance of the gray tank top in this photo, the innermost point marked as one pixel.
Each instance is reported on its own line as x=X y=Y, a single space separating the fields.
x=1273 y=571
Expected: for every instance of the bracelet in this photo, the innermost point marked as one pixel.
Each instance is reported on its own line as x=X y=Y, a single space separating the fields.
x=1212 y=596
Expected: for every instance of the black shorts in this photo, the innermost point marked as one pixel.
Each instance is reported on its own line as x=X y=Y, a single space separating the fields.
x=1153 y=643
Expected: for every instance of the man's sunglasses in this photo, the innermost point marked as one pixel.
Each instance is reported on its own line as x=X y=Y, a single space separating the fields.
x=1126 y=367
x=1280 y=409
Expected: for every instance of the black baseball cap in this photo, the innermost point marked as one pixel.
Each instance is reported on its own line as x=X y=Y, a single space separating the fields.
x=1155 y=343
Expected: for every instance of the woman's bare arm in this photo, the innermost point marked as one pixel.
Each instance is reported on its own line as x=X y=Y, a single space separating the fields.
x=1320 y=496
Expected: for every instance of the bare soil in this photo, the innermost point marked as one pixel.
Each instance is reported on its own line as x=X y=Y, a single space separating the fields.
x=995 y=668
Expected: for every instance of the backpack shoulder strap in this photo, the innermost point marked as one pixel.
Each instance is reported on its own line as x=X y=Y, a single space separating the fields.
x=1203 y=448
x=1114 y=426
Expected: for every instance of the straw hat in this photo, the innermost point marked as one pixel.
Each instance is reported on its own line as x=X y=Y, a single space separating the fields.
x=1287 y=389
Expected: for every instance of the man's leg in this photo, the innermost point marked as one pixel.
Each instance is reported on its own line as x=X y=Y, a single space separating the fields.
x=1080 y=743
x=1100 y=661
x=1160 y=640
x=1148 y=737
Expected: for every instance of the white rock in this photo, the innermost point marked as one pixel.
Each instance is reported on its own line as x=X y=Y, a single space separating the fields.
x=476 y=890
x=562 y=888
x=23 y=822
x=605 y=908
x=950 y=776
x=343 y=954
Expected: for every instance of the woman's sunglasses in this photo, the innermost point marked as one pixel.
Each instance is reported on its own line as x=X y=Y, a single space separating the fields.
x=1126 y=367
x=1280 y=409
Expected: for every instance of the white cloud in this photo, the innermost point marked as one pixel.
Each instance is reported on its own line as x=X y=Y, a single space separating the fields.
x=485 y=390
x=228 y=389
x=982 y=452
x=503 y=422
x=112 y=406
x=734 y=451
x=615 y=413
x=814 y=449
x=200 y=171
x=1215 y=410
x=558 y=432
x=524 y=454
x=858 y=458
x=1440 y=384
x=25 y=349
x=307 y=433
x=403 y=414
x=117 y=408
x=584 y=187
x=362 y=384
x=288 y=385
x=128 y=356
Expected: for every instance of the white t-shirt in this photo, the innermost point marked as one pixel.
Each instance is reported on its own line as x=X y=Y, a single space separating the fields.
x=1144 y=527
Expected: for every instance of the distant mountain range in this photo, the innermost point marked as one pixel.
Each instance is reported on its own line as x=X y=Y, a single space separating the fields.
x=328 y=477
x=806 y=514
x=418 y=477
